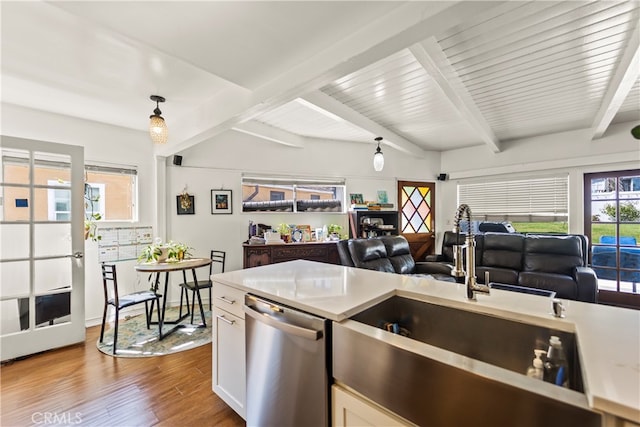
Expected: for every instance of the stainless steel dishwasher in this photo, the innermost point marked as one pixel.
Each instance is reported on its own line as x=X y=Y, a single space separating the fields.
x=287 y=366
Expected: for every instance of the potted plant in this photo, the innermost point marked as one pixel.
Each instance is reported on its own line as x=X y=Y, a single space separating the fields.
x=334 y=231
x=90 y=226
x=285 y=232
x=151 y=253
x=170 y=252
x=177 y=251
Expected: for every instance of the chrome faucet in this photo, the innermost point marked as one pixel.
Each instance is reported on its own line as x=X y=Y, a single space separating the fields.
x=458 y=255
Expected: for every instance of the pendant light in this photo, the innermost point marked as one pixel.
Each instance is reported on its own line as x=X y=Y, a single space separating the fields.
x=378 y=158
x=157 y=126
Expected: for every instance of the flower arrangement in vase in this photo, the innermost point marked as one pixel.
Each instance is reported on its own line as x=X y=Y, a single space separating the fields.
x=165 y=252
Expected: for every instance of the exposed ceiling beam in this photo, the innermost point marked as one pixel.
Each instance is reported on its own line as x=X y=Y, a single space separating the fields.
x=404 y=26
x=621 y=83
x=270 y=133
x=390 y=138
x=430 y=55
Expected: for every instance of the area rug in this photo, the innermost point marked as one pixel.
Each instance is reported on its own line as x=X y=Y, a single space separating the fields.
x=135 y=340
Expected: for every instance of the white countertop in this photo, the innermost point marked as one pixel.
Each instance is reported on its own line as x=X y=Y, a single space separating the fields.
x=608 y=337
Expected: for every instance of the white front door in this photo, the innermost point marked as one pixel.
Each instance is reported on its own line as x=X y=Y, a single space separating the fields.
x=41 y=246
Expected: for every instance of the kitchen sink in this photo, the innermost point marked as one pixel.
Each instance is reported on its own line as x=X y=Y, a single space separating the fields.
x=500 y=342
x=426 y=368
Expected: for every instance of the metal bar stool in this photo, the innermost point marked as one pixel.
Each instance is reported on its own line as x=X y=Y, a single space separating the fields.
x=109 y=277
x=218 y=257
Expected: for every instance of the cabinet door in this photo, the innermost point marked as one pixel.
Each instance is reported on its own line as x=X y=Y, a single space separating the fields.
x=256 y=256
x=350 y=410
x=229 y=359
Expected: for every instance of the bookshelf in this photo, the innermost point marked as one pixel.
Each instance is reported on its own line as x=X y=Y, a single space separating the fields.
x=372 y=223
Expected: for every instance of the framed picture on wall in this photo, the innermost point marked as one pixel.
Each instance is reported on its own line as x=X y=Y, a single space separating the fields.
x=221 y=202
x=186 y=204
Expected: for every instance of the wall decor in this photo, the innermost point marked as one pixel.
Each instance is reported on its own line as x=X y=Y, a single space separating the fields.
x=186 y=204
x=356 y=198
x=221 y=202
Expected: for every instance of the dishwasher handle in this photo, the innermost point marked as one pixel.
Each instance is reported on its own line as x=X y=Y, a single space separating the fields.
x=310 y=334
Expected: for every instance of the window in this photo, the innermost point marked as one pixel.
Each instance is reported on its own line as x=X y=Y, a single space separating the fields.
x=116 y=189
x=531 y=205
x=59 y=201
x=276 y=195
x=279 y=194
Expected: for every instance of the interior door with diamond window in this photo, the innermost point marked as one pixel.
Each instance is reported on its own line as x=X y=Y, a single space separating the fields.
x=417 y=216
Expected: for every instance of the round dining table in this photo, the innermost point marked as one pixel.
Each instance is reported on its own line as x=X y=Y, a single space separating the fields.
x=157 y=268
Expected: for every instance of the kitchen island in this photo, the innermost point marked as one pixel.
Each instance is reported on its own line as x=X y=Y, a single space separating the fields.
x=608 y=337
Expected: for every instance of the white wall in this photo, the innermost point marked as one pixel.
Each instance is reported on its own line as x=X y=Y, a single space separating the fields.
x=106 y=145
x=572 y=153
x=220 y=162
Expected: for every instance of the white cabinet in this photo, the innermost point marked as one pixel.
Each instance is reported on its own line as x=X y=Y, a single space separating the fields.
x=350 y=410
x=229 y=347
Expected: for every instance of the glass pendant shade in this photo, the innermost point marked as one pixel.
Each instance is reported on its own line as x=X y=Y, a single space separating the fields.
x=157 y=127
x=158 y=130
x=378 y=158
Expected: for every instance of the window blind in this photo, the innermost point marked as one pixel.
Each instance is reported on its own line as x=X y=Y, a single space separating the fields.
x=290 y=181
x=526 y=200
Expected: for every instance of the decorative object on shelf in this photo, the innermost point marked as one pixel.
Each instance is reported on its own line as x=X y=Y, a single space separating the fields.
x=356 y=198
x=382 y=196
x=157 y=126
x=305 y=229
x=90 y=218
x=378 y=158
x=334 y=231
x=221 y=202
x=185 y=203
x=285 y=232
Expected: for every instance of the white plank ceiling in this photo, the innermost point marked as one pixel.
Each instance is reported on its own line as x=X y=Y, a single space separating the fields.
x=423 y=75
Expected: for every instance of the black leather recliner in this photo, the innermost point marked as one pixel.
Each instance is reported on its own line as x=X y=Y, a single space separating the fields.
x=343 y=253
x=390 y=254
x=552 y=262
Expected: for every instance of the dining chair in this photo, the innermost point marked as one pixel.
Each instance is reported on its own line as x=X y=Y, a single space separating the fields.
x=110 y=285
x=217 y=257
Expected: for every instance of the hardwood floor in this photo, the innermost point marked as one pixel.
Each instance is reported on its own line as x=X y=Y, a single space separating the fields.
x=78 y=385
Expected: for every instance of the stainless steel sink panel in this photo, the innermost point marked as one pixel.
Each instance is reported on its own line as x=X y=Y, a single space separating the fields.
x=430 y=392
x=500 y=342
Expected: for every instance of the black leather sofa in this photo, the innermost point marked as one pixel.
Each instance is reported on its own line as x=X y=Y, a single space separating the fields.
x=552 y=262
x=389 y=254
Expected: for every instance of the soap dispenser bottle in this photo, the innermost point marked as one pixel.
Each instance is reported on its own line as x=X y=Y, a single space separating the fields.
x=555 y=368
x=536 y=370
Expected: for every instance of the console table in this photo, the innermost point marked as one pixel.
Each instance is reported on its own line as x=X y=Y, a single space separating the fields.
x=255 y=255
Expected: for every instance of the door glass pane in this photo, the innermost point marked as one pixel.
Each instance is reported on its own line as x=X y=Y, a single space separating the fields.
x=52 y=239
x=629 y=234
x=15 y=166
x=52 y=274
x=603 y=233
x=15 y=241
x=51 y=167
x=14 y=315
x=53 y=309
x=15 y=278
x=629 y=187
x=16 y=203
x=52 y=204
